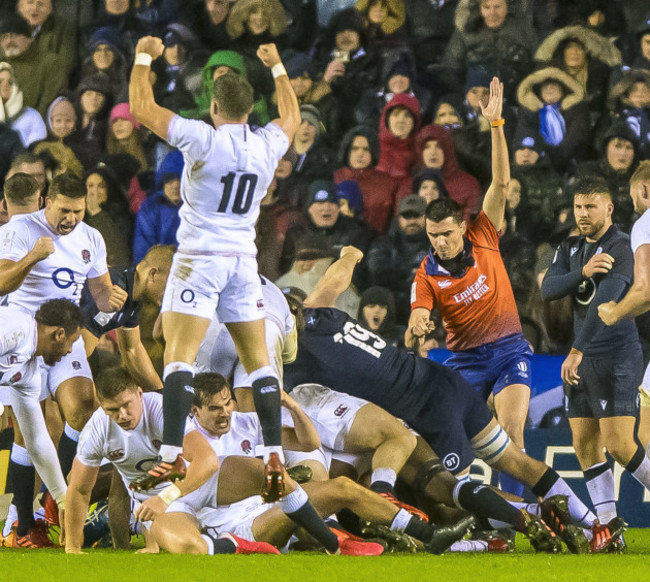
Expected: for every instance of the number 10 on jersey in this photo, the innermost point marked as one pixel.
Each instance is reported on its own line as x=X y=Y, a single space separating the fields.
x=244 y=192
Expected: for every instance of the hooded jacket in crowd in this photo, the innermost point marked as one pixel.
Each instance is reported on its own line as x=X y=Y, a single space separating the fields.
x=157 y=220
x=575 y=145
x=462 y=187
x=379 y=190
x=397 y=156
x=618 y=181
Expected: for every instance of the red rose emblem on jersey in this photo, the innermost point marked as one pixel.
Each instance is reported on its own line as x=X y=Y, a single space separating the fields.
x=115 y=455
x=156 y=443
x=76 y=365
x=85 y=255
x=246 y=447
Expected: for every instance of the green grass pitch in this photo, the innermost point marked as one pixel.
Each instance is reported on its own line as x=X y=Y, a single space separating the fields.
x=122 y=566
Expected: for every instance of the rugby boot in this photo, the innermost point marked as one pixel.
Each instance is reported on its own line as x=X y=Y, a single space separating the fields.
x=618 y=547
x=542 y=537
x=36 y=537
x=397 y=541
x=300 y=473
x=247 y=547
x=412 y=510
x=604 y=536
x=496 y=542
x=51 y=509
x=349 y=547
x=555 y=513
x=445 y=535
x=162 y=471
x=274 y=479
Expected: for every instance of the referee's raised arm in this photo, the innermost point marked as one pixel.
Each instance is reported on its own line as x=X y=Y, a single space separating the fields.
x=288 y=106
x=494 y=203
x=142 y=104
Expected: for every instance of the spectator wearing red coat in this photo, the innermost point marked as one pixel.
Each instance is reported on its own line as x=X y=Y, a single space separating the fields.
x=398 y=129
x=436 y=151
x=358 y=158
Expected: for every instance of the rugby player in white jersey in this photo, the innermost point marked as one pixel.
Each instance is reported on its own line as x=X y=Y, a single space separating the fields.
x=637 y=300
x=50 y=334
x=228 y=168
x=50 y=254
x=127 y=431
x=234 y=436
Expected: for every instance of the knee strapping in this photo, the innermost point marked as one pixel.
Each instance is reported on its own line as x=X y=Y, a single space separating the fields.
x=492 y=446
x=426 y=473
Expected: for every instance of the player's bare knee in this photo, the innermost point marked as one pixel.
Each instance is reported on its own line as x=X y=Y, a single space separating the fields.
x=341 y=488
x=80 y=415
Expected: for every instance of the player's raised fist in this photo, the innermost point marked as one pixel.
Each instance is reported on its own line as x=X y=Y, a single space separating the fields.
x=42 y=248
x=353 y=252
x=151 y=45
x=269 y=55
x=117 y=298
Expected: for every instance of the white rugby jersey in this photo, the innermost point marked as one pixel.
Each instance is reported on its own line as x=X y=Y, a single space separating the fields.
x=640 y=234
x=227 y=172
x=244 y=435
x=132 y=452
x=76 y=257
x=18 y=365
x=217 y=352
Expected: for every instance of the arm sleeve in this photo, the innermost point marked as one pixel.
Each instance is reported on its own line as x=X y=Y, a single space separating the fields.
x=99 y=265
x=483 y=233
x=611 y=288
x=275 y=139
x=190 y=136
x=559 y=281
x=90 y=450
x=26 y=407
x=641 y=232
x=421 y=292
x=14 y=242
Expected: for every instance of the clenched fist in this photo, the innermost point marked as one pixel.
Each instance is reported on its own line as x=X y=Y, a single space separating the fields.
x=151 y=45
x=42 y=248
x=117 y=298
x=268 y=54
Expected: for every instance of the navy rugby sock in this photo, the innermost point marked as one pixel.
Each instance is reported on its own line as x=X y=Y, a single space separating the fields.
x=22 y=482
x=178 y=395
x=67 y=449
x=483 y=502
x=267 y=399
x=298 y=509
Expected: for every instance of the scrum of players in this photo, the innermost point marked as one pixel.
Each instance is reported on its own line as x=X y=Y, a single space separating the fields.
x=280 y=422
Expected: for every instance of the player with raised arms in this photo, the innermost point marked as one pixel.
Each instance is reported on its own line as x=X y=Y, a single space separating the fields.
x=228 y=168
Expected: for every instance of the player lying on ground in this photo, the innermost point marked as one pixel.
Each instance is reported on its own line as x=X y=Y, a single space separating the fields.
x=126 y=431
x=231 y=434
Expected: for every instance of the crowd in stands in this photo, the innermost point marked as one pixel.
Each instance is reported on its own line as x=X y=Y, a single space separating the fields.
x=390 y=94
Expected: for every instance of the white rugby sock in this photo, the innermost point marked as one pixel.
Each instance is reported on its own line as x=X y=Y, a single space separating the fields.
x=600 y=484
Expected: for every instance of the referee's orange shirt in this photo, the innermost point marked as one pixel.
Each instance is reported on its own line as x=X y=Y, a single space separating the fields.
x=477 y=308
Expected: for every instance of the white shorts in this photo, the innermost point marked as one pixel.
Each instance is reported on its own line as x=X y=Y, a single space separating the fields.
x=362 y=462
x=293 y=458
x=199 y=285
x=74 y=365
x=217 y=353
x=331 y=412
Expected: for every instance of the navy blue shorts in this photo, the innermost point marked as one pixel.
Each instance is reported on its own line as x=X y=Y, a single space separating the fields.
x=453 y=416
x=608 y=386
x=492 y=367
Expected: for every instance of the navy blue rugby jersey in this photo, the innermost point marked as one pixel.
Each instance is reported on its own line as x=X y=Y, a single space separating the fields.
x=338 y=352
